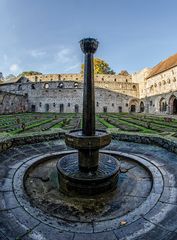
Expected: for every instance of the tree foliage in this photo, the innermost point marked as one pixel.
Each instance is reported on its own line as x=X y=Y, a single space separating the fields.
x=100 y=67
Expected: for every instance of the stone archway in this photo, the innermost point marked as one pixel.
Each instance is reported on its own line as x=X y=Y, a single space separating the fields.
x=33 y=108
x=173 y=105
x=141 y=106
x=133 y=108
x=162 y=105
x=133 y=105
x=46 y=107
x=105 y=109
x=76 y=108
x=61 y=108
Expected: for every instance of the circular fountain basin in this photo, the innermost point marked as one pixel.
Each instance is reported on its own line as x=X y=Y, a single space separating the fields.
x=136 y=194
x=72 y=181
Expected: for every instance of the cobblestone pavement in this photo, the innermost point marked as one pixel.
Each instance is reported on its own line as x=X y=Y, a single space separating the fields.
x=154 y=217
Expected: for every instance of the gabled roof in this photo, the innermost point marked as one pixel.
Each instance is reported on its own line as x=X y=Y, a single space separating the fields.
x=164 y=65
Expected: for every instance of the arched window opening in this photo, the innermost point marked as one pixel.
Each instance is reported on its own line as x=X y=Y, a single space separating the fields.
x=120 y=109
x=46 y=107
x=133 y=108
x=163 y=105
x=76 y=108
x=172 y=104
x=141 y=106
x=60 y=85
x=134 y=88
x=75 y=85
x=46 y=85
x=61 y=108
x=105 y=109
x=33 y=108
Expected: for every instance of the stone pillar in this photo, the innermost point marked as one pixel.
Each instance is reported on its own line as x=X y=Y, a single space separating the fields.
x=89 y=47
x=88 y=159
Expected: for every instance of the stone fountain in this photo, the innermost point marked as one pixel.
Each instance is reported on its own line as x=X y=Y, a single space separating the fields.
x=88 y=172
x=79 y=199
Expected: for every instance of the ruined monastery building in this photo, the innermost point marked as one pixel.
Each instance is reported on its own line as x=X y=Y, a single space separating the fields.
x=150 y=91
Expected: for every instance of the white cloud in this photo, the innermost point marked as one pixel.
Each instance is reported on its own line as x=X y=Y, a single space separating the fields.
x=64 y=55
x=73 y=67
x=14 y=68
x=37 y=53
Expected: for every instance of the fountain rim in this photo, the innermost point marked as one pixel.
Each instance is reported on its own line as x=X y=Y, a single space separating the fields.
x=81 y=141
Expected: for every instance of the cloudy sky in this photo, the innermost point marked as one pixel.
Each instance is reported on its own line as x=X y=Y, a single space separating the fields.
x=43 y=35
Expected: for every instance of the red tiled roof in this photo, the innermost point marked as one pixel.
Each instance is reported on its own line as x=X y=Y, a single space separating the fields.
x=163 y=66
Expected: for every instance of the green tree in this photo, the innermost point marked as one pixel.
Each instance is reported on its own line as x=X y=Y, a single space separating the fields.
x=100 y=67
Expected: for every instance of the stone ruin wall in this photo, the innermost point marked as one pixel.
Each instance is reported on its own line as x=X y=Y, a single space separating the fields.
x=12 y=103
x=118 y=83
x=132 y=91
x=69 y=95
x=79 y=77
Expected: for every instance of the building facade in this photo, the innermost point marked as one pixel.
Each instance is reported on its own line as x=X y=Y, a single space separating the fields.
x=64 y=92
x=149 y=91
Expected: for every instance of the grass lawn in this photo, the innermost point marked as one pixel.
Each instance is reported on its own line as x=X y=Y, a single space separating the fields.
x=14 y=124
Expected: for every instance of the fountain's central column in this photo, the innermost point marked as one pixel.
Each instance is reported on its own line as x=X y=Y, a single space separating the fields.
x=88 y=172
x=89 y=47
x=88 y=158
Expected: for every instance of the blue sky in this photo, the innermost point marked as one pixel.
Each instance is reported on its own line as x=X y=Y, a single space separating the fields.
x=43 y=35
